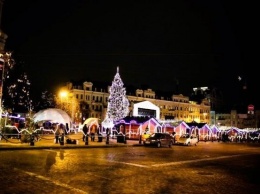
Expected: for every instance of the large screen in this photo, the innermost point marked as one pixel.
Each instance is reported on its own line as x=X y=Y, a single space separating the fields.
x=146 y=112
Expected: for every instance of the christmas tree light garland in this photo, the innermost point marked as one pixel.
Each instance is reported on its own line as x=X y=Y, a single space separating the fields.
x=118 y=104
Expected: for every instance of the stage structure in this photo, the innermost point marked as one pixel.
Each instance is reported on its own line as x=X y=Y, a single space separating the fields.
x=146 y=109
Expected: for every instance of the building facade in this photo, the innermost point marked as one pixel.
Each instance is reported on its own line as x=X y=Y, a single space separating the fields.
x=235 y=119
x=93 y=103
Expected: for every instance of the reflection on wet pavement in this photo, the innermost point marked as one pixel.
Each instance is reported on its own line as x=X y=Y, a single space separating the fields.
x=61 y=154
x=50 y=160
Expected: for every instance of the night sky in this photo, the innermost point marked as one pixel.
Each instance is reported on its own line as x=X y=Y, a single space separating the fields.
x=158 y=44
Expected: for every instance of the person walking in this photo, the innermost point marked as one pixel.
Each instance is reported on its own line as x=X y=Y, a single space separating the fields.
x=61 y=133
x=56 y=132
x=92 y=133
x=67 y=130
x=85 y=131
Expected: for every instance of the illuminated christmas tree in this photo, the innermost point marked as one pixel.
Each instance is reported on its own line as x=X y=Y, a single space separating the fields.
x=117 y=102
x=19 y=94
x=17 y=90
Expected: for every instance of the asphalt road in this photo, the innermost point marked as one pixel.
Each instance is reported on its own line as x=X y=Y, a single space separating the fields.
x=210 y=167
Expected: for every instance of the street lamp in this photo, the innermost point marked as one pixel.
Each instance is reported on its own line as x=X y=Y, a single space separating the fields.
x=63 y=95
x=68 y=102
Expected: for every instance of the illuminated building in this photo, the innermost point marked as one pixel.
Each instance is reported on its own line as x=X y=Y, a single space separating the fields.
x=173 y=107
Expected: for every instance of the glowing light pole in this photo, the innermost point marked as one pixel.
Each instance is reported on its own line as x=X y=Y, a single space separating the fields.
x=63 y=95
x=68 y=103
x=5 y=61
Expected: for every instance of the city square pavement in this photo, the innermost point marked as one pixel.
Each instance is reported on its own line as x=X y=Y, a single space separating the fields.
x=49 y=142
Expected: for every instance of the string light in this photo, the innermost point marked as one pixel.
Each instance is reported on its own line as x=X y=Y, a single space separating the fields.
x=6 y=63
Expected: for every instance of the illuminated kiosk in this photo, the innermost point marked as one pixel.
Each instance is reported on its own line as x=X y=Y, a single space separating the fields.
x=146 y=108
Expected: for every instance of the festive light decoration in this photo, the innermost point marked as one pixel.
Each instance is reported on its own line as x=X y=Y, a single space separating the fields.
x=19 y=94
x=6 y=63
x=118 y=104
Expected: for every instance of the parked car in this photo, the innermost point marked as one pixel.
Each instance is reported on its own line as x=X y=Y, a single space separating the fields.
x=187 y=139
x=159 y=139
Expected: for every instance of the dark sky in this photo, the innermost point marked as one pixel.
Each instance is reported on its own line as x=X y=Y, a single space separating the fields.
x=197 y=42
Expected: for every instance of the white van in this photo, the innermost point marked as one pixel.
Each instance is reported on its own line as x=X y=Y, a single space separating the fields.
x=187 y=139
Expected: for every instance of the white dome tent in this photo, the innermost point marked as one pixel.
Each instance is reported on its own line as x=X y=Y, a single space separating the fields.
x=53 y=115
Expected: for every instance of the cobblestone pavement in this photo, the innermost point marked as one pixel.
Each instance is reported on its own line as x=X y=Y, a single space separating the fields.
x=210 y=167
x=17 y=181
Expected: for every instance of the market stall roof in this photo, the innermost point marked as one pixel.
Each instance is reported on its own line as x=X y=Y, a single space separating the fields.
x=91 y=121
